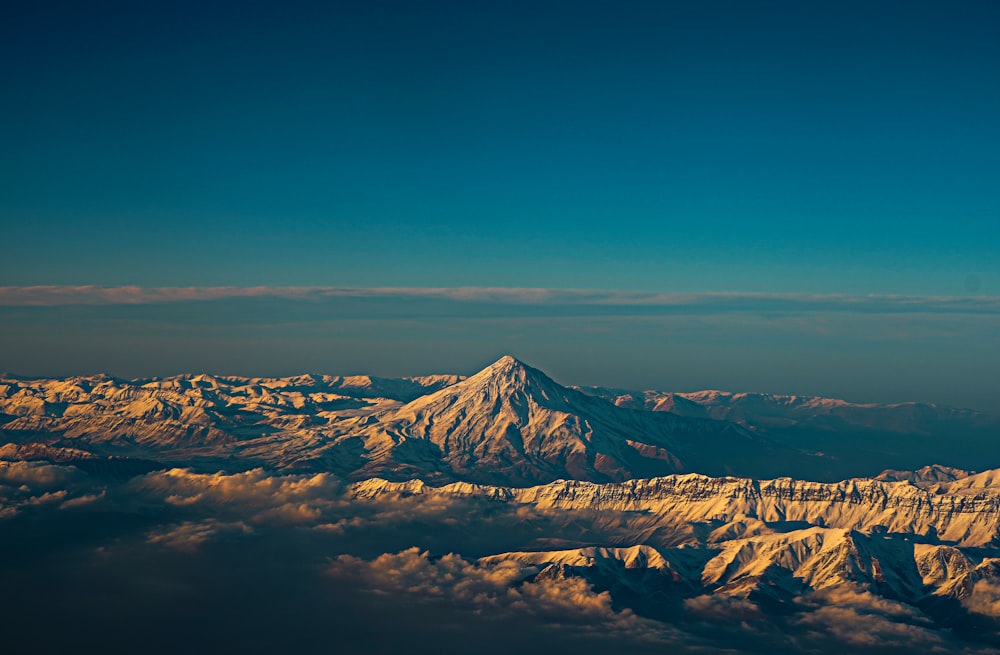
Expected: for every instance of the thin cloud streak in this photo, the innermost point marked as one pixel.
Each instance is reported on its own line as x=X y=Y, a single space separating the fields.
x=53 y=296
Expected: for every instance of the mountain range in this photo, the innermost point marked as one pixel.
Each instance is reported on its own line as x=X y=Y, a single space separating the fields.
x=811 y=514
x=508 y=424
x=778 y=544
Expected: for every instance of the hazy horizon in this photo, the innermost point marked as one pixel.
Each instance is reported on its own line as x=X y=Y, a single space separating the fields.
x=859 y=348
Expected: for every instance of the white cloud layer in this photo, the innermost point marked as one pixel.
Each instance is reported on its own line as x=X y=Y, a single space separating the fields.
x=27 y=296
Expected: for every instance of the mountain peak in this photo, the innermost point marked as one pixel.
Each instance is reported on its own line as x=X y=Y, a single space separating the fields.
x=505 y=363
x=512 y=422
x=509 y=374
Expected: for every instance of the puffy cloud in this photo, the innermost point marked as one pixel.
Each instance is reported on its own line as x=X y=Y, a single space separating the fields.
x=503 y=587
x=862 y=600
x=308 y=500
x=36 y=475
x=34 y=484
x=256 y=495
x=253 y=488
x=985 y=599
x=415 y=571
x=858 y=618
x=844 y=618
x=859 y=628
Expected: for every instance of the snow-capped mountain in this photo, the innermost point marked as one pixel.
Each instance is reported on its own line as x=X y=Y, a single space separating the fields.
x=764 y=540
x=507 y=424
x=512 y=422
x=775 y=410
x=965 y=512
x=778 y=567
x=193 y=410
x=858 y=438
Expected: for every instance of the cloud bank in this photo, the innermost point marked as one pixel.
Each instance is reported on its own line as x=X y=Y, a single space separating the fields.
x=178 y=535
x=52 y=296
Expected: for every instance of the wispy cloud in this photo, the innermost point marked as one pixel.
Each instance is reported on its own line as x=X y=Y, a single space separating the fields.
x=607 y=300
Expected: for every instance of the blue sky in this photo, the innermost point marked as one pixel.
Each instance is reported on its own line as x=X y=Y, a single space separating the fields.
x=770 y=147
x=716 y=146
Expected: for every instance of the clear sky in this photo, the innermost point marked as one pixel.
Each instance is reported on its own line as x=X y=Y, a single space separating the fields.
x=765 y=147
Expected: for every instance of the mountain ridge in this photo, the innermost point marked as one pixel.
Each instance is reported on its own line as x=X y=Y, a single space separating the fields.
x=966 y=513
x=508 y=423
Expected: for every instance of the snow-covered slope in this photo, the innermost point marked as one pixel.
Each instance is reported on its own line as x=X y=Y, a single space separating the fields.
x=766 y=540
x=775 y=567
x=966 y=512
x=512 y=423
x=857 y=438
x=193 y=411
